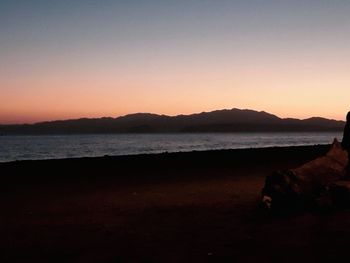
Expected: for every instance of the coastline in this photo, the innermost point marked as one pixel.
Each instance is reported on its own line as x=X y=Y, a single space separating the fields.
x=151 y=164
x=172 y=154
x=174 y=207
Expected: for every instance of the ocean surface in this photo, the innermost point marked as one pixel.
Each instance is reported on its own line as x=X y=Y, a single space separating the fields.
x=68 y=146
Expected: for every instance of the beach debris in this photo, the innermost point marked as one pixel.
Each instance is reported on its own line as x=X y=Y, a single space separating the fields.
x=267 y=200
x=322 y=180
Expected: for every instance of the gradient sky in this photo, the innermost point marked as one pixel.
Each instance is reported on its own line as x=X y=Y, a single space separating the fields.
x=68 y=59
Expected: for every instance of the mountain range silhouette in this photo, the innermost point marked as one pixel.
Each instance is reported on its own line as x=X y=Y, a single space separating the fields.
x=233 y=120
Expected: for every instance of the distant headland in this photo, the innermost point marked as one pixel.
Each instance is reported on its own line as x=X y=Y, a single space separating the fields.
x=232 y=120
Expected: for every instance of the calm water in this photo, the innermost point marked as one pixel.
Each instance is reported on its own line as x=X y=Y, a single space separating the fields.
x=64 y=146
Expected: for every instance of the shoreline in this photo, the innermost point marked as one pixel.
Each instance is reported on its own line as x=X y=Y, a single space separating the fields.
x=140 y=155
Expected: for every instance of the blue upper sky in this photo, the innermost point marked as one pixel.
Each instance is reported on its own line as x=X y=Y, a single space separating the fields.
x=212 y=48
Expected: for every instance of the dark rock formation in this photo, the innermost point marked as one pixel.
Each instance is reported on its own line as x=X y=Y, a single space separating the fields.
x=318 y=182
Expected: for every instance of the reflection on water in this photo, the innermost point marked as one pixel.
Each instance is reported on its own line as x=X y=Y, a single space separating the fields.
x=63 y=146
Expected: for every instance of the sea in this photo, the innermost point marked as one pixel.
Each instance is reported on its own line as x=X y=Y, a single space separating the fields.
x=14 y=148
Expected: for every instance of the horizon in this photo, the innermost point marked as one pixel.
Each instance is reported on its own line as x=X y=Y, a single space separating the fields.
x=161 y=114
x=83 y=59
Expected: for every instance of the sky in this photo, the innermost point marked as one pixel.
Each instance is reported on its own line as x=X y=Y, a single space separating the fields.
x=64 y=59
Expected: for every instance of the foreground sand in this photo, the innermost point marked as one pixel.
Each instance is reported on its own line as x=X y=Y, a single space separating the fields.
x=185 y=207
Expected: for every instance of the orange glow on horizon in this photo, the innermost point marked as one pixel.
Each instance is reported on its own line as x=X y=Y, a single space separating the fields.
x=283 y=92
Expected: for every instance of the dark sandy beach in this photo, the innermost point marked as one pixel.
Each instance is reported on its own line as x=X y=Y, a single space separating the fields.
x=179 y=207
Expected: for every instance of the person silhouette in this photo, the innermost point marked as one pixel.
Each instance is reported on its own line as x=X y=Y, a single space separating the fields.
x=346 y=135
x=346 y=142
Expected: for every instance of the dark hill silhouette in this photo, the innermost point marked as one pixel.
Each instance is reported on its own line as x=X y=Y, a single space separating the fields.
x=234 y=120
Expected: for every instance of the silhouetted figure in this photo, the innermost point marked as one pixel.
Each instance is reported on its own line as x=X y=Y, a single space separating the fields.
x=346 y=141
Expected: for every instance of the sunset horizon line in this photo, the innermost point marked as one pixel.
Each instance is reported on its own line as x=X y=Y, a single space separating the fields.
x=164 y=114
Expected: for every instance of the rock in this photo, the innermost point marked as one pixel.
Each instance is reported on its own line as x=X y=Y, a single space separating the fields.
x=295 y=188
